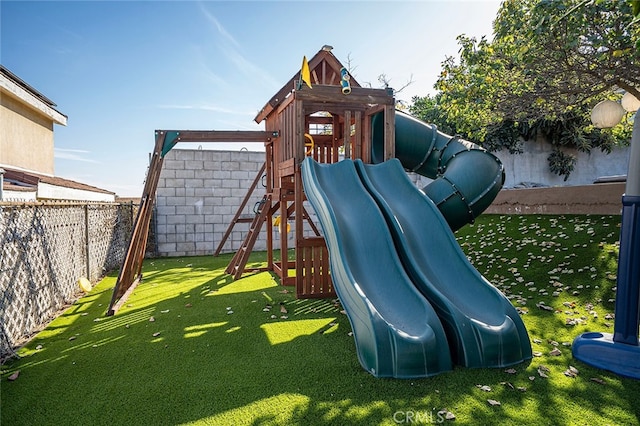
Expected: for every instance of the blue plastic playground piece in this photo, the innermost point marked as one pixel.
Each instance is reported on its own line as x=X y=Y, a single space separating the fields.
x=620 y=352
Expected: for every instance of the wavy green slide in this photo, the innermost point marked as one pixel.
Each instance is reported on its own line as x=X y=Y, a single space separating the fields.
x=396 y=331
x=387 y=239
x=483 y=327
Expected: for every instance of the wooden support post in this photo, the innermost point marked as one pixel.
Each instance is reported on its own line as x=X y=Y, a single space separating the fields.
x=130 y=272
x=284 y=243
x=347 y=135
x=299 y=213
x=389 y=132
x=269 y=173
x=299 y=131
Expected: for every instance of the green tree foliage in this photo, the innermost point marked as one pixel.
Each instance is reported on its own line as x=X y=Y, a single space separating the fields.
x=549 y=63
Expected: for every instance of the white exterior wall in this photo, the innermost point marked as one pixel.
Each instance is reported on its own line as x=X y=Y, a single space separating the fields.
x=54 y=192
x=9 y=195
x=532 y=166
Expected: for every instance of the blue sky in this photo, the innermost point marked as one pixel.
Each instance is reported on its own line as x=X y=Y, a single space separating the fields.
x=121 y=69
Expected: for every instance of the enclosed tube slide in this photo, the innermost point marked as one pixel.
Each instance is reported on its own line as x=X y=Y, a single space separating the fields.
x=482 y=326
x=467 y=178
x=396 y=331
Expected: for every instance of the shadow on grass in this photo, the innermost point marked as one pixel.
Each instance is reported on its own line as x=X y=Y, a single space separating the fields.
x=222 y=352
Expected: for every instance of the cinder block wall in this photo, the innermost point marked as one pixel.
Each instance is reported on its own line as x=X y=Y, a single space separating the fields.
x=199 y=193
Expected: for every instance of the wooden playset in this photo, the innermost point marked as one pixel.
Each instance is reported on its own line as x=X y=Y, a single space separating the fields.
x=321 y=112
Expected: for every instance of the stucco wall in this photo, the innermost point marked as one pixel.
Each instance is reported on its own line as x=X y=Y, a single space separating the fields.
x=26 y=137
x=532 y=166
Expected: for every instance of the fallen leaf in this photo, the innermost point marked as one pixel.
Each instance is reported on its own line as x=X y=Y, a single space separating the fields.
x=522 y=388
x=484 y=388
x=156 y=334
x=72 y=338
x=165 y=311
x=542 y=306
x=507 y=384
x=555 y=352
x=14 y=376
x=152 y=319
x=542 y=371
x=598 y=380
x=188 y=305
x=536 y=354
x=38 y=347
x=446 y=414
x=493 y=402
x=511 y=371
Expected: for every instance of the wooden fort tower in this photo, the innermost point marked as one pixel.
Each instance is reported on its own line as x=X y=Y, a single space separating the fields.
x=328 y=121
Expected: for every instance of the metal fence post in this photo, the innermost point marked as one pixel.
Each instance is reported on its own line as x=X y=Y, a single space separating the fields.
x=86 y=239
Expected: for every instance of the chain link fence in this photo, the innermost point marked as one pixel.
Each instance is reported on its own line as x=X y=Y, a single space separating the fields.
x=44 y=250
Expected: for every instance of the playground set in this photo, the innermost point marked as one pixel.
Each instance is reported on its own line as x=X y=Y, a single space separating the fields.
x=387 y=250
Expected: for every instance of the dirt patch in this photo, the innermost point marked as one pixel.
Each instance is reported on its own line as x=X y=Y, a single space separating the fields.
x=604 y=198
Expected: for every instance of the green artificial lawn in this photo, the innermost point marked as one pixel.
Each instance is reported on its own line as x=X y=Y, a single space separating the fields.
x=216 y=354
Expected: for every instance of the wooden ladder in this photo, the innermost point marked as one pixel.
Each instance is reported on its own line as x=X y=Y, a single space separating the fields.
x=237 y=218
x=237 y=265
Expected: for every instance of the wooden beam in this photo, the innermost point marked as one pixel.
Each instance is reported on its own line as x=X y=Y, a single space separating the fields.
x=221 y=135
x=332 y=94
x=317 y=119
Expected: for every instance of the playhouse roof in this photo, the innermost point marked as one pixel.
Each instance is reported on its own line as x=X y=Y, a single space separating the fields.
x=324 y=68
